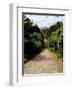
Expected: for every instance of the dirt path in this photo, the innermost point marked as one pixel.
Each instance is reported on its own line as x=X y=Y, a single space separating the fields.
x=45 y=62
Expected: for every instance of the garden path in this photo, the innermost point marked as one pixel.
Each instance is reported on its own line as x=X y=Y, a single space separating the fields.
x=45 y=62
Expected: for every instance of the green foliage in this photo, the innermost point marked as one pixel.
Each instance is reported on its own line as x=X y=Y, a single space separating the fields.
x=33 y=39
x=53 y=45
x=37 y=36
x=36 y=39
x=45 y=33
x=60 y=45
x=56 y=39
x=56 y=26
x=37 y=43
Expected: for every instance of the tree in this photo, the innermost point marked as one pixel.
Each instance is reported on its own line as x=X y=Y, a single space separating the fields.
x=56 y=39
x=33 y=39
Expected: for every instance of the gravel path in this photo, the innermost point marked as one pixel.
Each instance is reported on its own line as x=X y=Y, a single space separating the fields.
x=45 y=62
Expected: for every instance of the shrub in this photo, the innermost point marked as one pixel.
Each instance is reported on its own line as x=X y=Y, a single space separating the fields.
x=56 y=40
x=53 y=45
x=60 y=45
x=33 y=46
x=37 y=39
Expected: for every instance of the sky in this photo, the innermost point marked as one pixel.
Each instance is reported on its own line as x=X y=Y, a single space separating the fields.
x=45 y=20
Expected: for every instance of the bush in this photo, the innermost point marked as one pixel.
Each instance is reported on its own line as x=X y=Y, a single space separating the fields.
x=33 y=39
x=37 y=39
x=33 y=46
x=53 y=45
x=60 y=45
x=56 y=41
